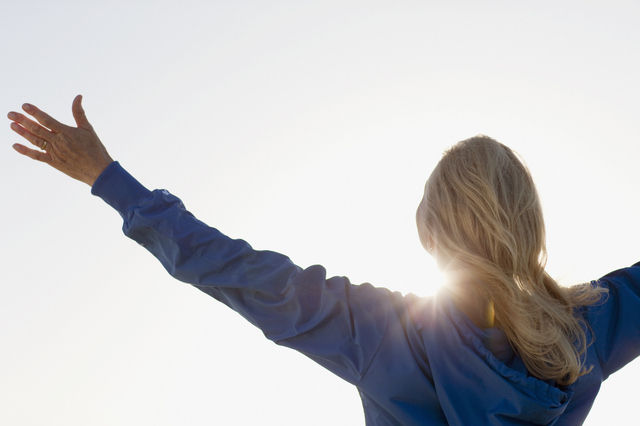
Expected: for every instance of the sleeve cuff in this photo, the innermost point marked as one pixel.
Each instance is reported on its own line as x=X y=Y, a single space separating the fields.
x=119 y=189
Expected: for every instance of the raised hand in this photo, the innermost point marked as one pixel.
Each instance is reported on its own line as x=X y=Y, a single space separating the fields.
x=75 y=151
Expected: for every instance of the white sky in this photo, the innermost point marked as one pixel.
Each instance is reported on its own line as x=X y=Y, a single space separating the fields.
x=307 y=128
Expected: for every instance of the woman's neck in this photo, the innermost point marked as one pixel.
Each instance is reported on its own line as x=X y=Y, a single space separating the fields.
x=477 y=307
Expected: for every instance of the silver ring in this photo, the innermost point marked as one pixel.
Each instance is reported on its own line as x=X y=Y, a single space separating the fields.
x=44 y=145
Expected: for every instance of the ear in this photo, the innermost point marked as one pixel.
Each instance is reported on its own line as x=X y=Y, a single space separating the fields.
x=430 y=244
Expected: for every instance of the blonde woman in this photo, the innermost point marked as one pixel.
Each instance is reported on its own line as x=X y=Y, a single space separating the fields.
x=501 y=344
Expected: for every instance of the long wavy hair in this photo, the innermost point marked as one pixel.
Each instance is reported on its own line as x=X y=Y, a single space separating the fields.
x=482 y=209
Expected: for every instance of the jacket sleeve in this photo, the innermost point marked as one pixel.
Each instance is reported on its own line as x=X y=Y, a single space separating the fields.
x=335 y=323
x=616 y=321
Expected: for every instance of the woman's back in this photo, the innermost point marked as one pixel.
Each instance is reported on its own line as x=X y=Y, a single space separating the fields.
x=467 y=375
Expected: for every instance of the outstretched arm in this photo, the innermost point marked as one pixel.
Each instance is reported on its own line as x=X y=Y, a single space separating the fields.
x=337 y=324
x=75 y=151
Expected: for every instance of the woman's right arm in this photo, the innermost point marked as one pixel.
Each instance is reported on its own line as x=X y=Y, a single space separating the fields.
x=616 y=320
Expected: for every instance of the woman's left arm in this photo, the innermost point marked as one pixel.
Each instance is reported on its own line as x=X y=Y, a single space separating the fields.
x=335 y=323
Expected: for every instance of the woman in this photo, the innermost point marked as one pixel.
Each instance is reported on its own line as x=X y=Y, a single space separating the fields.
x=500 y=344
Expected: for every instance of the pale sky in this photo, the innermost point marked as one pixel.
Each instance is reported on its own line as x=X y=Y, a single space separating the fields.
x=307 y=128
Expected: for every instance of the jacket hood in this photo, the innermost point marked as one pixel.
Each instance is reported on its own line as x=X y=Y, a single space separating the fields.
x=477 y=374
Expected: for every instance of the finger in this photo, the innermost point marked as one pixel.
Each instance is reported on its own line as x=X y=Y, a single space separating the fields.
x=79 y=114
x=40 y=143
x=32 y=153
x=27 y=125
x=43 y=118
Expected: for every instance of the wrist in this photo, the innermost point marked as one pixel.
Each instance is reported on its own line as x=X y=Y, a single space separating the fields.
x=97 y=171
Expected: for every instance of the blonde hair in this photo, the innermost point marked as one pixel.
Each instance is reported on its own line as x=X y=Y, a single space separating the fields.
x=483 y=210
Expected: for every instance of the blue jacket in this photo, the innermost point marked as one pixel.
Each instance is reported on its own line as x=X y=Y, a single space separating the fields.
x=414 y=360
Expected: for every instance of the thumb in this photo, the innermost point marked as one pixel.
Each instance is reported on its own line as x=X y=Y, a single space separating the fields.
x=78 y=113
